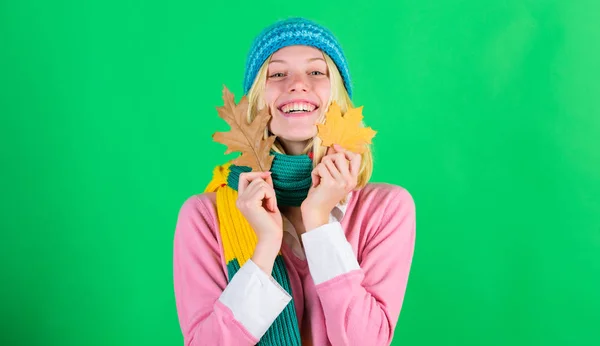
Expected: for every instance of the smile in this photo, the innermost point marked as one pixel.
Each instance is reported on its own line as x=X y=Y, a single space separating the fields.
x=298 y=109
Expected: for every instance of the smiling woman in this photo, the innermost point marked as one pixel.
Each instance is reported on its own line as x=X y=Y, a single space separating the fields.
x=296 y=92
x=308 y=252
x=311 y=69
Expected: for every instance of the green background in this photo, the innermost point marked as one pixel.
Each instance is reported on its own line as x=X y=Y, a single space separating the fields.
x=488 y=112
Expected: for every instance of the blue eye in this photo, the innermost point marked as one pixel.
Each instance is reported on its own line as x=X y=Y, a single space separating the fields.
x=316 y=73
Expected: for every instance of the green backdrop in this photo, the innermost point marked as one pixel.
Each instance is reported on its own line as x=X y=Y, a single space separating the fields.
x=488 y=112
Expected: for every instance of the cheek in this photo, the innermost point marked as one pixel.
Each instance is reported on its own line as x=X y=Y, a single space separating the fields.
x=323 y=90
x=271 y=94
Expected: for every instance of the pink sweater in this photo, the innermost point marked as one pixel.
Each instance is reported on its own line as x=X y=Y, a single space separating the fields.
x=354 y=301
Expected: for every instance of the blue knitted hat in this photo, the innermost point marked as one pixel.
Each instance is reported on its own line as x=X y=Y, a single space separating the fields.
x=289 y=32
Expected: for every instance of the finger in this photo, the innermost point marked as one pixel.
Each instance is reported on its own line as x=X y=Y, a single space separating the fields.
x=247 y=177
x=263 y=193
x=342 y=164
x=333 y=170
x=269 y=179
x=323 y=173
x=355 y=161
x=252 y=190
x=354 y=158
x=316 y=179
x=271 y=198
x=338 y=148
x=272 y=202
x=243 y=183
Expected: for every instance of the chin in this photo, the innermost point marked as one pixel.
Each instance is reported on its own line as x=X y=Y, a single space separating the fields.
x=296 y=137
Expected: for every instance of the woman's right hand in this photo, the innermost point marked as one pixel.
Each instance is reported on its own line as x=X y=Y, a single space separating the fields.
x=257 y=202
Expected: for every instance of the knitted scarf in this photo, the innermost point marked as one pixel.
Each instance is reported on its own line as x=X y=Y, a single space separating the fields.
x=291 y=181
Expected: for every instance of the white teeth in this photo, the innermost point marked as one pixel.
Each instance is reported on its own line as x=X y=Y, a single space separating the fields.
x=298 y=107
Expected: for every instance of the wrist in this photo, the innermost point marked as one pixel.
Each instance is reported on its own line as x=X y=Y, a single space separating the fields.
x=265 y=253
x=314 y=219
x=270 y=240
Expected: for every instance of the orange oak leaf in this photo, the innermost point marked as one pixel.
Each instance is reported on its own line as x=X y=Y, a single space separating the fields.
x=345 y=131
x=247 y=138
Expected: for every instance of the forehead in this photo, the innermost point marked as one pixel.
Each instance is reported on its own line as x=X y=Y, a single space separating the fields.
x=297 y=53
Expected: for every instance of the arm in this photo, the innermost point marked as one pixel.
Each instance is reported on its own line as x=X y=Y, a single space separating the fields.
x=212 y=311
x=362 y=303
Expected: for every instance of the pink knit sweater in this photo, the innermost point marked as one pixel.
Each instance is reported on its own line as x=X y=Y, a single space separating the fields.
x=348 y=279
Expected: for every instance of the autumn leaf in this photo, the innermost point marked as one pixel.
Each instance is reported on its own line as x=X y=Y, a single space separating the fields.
x=345 y=131
x=244 y=137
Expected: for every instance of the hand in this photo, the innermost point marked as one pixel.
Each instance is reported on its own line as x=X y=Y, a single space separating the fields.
x=333 y=178
x=257 y=202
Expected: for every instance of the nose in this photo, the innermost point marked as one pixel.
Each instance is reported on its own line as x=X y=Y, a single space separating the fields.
x=298 y=83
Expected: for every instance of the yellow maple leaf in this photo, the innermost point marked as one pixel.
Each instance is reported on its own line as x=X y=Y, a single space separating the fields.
x=245 y=137
x=345 y=130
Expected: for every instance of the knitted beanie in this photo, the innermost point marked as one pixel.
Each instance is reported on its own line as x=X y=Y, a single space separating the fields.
x=289 y=32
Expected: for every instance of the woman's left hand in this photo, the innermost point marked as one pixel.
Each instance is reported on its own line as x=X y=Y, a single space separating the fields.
x=333 y=178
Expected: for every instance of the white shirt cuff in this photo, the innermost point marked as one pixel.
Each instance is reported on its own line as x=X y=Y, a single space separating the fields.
x=255 y=298
x=328 y=252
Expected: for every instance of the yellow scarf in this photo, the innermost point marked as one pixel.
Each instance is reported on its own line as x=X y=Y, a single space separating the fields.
x=239 y=241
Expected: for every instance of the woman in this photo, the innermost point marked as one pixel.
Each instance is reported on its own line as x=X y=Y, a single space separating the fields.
x=308 y=253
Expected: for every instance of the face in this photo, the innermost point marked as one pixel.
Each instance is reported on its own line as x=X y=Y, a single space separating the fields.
x=297 y=91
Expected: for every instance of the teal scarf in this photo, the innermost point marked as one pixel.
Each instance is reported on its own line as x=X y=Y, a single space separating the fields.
x=291 y=181
x=290 y=174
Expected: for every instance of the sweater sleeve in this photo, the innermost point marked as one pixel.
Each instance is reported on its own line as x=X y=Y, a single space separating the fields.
x=212 y=311
x=362 y=301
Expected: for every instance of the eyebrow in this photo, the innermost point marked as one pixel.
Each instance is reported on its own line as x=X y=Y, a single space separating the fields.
x=309 y=60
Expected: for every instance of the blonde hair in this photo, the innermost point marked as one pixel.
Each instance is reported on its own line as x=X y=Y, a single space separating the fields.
x=339 y=94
